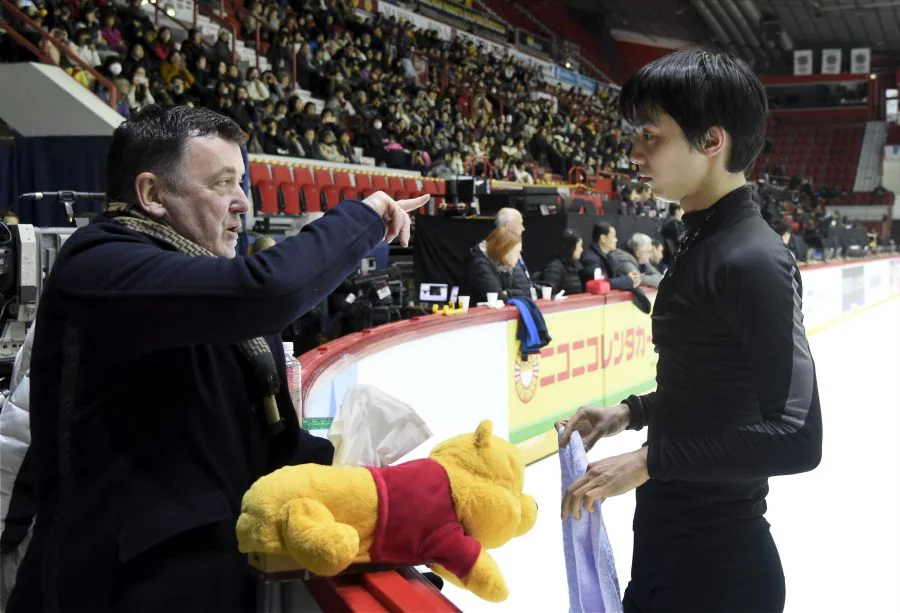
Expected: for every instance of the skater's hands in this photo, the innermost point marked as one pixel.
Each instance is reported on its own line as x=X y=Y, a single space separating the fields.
x=609 y=477
x=593 y=423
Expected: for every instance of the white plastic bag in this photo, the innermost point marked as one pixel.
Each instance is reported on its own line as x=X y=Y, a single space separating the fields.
x=372 y=428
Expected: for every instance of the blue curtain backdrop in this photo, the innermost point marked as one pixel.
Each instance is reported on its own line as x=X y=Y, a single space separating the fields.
x=51 y=163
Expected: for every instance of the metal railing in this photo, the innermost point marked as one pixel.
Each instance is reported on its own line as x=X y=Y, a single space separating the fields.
x=11 y=9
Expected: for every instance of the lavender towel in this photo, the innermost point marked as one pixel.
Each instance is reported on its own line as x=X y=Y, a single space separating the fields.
x=590 y=567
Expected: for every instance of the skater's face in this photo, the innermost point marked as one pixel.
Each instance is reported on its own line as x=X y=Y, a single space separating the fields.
x=667 y=162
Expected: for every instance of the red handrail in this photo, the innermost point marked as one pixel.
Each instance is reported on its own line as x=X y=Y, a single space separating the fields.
x=579 y=180
x=73 y=57
x=40 y=55
x=223 y=23
x=488 y=167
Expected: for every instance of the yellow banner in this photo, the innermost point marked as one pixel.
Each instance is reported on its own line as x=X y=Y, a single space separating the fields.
x=598 y=356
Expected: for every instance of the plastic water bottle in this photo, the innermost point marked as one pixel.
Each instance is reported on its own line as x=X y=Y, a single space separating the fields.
x=292 y=366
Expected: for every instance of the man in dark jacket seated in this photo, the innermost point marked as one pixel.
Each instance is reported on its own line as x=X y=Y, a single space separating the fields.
x=158 y=382
x=600 y=255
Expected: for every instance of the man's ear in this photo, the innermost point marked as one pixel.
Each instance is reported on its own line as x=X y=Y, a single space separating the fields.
x=715 y=142
x=149 y=190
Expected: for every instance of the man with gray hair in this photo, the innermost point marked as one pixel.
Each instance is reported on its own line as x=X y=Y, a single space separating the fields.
x=512 y=220
x=637 y=258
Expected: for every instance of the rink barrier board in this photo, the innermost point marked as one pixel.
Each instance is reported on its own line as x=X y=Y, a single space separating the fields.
x=456 y=370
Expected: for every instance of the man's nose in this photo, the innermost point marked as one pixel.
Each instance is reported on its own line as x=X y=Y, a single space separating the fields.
x=241 y=204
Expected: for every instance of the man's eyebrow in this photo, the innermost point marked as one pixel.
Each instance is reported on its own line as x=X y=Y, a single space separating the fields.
x=227 y=171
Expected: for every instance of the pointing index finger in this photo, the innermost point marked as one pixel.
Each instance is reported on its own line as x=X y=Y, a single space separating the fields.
x=413 y=203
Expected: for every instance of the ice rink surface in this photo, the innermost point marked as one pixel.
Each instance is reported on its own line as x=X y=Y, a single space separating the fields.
x=837 y=528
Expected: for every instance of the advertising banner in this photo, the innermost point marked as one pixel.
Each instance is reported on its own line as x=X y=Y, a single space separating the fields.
x=369 y=6
x=532 y=42
x=597 y=357
x=458 y=10
x=853 y=287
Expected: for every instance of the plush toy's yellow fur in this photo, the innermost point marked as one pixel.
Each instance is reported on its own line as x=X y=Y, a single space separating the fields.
x=325 y=516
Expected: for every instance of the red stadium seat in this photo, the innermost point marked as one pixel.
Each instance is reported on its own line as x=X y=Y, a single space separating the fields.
x=323 y=177
x=349 y=193
x=331 y=196
x=312 y=198
x=267 y=196
x=290 y=199
x=380 y=183
x=282 y=174
x=303 y=176
x=259 y=172
x=342 y=179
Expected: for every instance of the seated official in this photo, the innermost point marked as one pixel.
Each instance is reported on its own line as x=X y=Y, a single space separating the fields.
x=493 y=268
x=600 y=256
x=637 y=258
x=564 y=271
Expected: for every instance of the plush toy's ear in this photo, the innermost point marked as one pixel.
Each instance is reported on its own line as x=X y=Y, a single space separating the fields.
x=483 y=433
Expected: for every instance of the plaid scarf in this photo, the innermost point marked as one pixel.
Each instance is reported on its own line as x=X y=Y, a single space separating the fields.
x=254 y=353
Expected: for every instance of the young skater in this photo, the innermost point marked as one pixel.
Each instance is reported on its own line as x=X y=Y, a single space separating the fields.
x=736 y=399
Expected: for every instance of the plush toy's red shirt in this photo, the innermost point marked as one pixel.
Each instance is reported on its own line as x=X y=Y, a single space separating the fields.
x=417 y=521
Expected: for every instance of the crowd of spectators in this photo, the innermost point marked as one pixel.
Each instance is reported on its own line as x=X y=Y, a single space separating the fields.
x=400 y=94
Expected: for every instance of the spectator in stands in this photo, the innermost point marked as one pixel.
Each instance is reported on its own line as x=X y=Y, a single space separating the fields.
x=163 y=46
x=637 y=258
x=221 y=51
x=148 y=523
x=494 y=267
x=564 y=271
x=256 y=87
x=136 y=59
x=139 y=95
x=192 y=47
x=111 y=34
x=86 y=49
x=600 y=256
x=176 y=67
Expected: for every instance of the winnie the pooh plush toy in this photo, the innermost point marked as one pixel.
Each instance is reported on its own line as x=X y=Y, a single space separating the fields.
x=444 y=511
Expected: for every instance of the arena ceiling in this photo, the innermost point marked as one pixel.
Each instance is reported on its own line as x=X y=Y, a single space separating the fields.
x=762 y=31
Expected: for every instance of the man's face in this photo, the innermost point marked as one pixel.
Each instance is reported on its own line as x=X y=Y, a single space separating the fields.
x=674 y=169
x=610 y=241
x=643 y=254
x=208 y=206
x=656 y=254
x=517 y=225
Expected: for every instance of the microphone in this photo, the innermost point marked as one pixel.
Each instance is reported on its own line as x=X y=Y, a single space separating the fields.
x=63 y=195
x=66 y=197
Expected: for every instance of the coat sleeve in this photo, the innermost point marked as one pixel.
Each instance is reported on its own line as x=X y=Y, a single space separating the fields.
x=759 y=294
x=482 y=277
x=164 y=298
x=554 y=276
x=640 y=408
x=515 y=283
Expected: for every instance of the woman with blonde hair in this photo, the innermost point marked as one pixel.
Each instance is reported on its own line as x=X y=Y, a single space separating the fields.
x=492 y=267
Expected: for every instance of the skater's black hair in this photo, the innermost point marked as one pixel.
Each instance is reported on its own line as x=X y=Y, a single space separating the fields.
x=700 y=90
